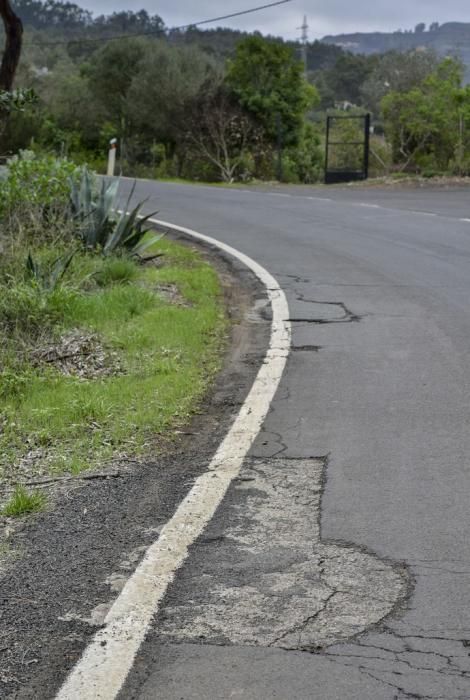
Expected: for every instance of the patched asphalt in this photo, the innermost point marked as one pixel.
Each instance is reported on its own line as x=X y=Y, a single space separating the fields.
x=268 y=579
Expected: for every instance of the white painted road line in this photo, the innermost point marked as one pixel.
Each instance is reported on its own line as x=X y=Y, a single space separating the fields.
x=106 y=662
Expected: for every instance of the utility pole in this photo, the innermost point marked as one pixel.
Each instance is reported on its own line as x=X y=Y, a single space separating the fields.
x=304 y=48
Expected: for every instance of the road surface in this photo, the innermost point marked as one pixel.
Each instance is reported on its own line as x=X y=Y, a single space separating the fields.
x=339 y=567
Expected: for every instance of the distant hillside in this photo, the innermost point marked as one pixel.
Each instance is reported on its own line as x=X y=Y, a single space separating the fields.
x=450 y=39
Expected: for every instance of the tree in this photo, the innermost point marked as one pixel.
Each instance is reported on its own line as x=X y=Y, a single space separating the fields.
x=52 y=13
x=396 y=72
x=110 y=77
x=420 y=28
x=320 y=55
x=221 y=131
x=344 y=80
x=325 y=89
x=129 y=23
x=426 y=125
x=12 y=51
x=165 y=89
x=268 y=81
x=69 y=106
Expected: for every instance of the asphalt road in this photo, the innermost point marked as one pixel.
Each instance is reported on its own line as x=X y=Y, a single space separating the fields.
x=376 y=404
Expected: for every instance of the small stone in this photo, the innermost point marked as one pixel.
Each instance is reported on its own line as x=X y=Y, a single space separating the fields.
x=8 y=532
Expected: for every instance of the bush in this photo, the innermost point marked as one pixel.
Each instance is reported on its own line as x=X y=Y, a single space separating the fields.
x=42 y=182
x=34 y=200
x=304 y=162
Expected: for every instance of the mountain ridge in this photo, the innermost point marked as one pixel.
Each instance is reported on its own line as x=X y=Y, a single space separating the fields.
x=444 y=39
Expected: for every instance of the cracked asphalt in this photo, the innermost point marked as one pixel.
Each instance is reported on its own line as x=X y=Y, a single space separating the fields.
x=268 y=580
x=351 y=581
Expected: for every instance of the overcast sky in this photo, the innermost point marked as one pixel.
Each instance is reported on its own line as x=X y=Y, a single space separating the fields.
x=324 y=16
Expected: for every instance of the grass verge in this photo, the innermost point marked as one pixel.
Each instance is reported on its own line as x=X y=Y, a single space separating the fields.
x=157 y=356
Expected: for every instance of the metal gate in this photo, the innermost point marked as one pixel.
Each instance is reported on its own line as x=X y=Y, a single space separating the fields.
x=347 y=148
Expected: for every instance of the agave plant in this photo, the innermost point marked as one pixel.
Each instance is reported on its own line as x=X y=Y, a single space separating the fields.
x=98 y=226
x=93 y=210
x=130 y=231
x=48 y=278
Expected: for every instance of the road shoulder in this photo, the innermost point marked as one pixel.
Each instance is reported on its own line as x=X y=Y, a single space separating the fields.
x=74 y=560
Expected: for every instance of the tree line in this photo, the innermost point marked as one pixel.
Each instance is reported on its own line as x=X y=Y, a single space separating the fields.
x=177 y=109
x=221 y=104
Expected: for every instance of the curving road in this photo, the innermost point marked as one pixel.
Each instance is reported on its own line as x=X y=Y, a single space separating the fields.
x=374 y=409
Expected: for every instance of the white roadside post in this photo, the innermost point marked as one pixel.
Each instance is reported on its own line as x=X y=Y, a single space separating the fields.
x=112 y=157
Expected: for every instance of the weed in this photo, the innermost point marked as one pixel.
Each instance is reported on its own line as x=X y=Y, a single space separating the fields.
x=27 y=309
x=14 y=381
x=23 y=502
x=116 y=271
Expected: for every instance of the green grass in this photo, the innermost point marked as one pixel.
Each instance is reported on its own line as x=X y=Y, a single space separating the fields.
x=22 y=503
x=169 y=355
x=118 y=270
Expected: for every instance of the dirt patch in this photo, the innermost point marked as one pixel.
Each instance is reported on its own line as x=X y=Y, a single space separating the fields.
x=171 y=294
x=79 y=354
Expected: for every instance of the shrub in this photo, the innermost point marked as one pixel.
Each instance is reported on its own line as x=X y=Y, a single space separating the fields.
x=304 y=162
x=34 y=196
x=41 y=182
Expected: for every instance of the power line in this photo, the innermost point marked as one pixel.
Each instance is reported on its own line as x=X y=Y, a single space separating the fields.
x=159 y=32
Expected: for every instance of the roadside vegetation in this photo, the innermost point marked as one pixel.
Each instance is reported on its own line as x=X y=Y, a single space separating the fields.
x=110 y=334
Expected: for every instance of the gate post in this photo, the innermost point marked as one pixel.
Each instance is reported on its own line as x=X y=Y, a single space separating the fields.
x=327 y=146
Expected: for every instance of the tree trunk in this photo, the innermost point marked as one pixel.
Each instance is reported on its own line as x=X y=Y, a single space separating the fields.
x=13 y=41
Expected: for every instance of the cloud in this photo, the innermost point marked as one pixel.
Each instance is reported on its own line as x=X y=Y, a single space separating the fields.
x=332 y=17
